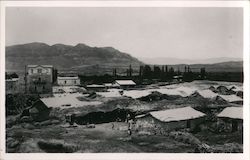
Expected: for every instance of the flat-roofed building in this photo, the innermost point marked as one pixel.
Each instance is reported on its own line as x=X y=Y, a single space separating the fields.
x=124 y=83
x=68 y=81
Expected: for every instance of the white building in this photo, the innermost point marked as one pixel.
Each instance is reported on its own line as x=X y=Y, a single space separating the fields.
x=39 y=78
x=68 y=81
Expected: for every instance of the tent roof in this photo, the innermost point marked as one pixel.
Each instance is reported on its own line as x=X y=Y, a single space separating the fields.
x=207 y=93
x=177 y=114
x=232 y=112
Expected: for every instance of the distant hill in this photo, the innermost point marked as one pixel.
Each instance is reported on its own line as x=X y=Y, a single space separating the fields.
x=232 y=66
x=80 y=58
x=172 y=61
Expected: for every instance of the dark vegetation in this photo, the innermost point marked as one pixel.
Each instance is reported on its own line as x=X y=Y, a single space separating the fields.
x=10 y=75
x=56 y=147
x=118 y=114
x=16 y=103
x=148 y=75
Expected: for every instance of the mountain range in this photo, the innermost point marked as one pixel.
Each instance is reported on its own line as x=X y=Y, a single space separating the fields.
x=65 y=57
x=99 y=60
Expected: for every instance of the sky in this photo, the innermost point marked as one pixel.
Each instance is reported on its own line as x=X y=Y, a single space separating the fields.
x=187 y=33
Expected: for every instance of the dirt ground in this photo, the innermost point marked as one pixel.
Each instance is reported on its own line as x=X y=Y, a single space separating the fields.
x=102 y=138
x=107 y=137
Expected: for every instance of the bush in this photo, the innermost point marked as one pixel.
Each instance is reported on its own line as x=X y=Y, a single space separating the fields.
x=55 y=146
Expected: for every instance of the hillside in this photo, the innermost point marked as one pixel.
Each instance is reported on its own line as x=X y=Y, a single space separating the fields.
x=81 y=58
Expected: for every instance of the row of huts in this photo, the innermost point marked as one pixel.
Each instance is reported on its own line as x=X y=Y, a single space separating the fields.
x=167 y=120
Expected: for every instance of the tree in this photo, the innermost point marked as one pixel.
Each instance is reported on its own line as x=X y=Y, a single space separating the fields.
x=140 y=71
x=130 y=71
x=171 y=72
x=166 y=69
x=203 y=73
x=147 y=73
x=157 y=72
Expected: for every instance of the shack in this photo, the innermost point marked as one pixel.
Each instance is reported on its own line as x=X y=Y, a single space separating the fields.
x=124 y=84
x=171 y=119
x=232 y=117
x=37 y=112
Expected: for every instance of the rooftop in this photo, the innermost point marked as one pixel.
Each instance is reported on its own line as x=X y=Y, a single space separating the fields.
x=231 y=98
x=12 y=80
x=232 y=112
x=34 y=66
x=177 y=114
x=125 y=82
x=95 y=86
x=65 y=78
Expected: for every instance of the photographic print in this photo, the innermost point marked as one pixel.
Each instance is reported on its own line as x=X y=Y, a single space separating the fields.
x=124 y=79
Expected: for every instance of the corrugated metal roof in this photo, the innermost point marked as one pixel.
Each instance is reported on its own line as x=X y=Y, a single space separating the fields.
x=125 y=82
x=232 y=112
x=177 y=114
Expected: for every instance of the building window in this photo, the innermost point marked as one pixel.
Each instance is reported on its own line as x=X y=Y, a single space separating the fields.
x=75 y=81
x=65 y=82
x=31 y=71
x=43 y=87
x=39 y=79
x=39 y=70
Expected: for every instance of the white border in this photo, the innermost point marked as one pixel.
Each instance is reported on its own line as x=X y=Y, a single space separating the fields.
x=105 y=156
